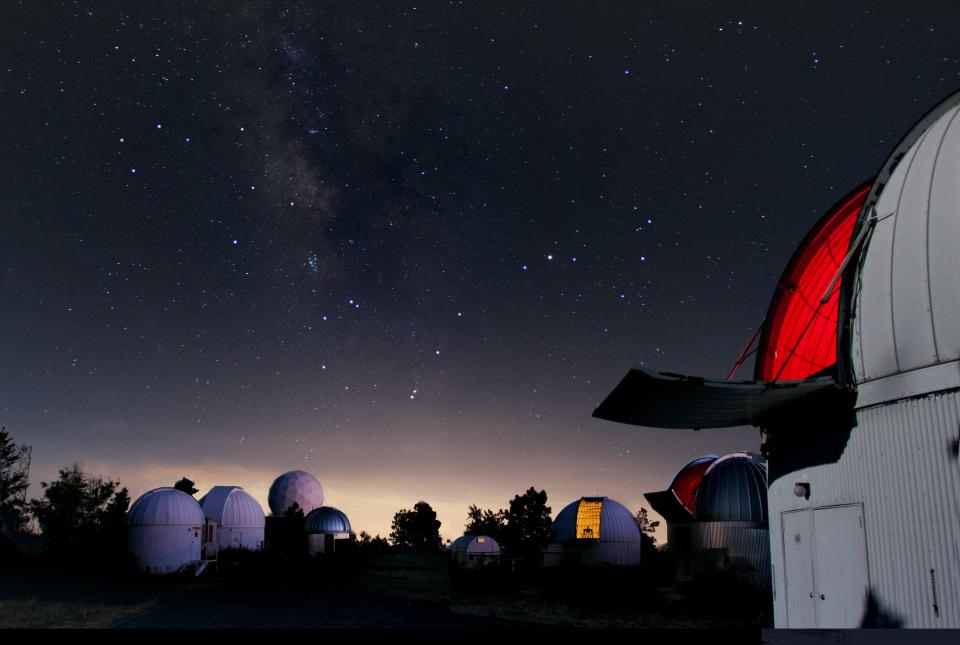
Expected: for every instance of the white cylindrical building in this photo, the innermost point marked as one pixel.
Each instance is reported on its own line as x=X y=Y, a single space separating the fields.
x=165 y=530
x=235 y=520
x=325 y=527
x=295 y=487
x=475 y=551
x=873 y=538
x=594 y=531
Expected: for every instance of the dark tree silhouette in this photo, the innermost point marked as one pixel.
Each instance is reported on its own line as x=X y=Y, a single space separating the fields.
x=527 y=525
x=366 y=542
x=417 y=529
x=186 y=485
x=80 y=511
x=14 y=480
x=285 y=533
x=648 y=543
x=484 y=522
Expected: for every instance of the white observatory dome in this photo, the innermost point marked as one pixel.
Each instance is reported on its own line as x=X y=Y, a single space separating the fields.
x=164 y=533
x=239 y=517
x=167 y=507
x=297 y=487
x=906 y=301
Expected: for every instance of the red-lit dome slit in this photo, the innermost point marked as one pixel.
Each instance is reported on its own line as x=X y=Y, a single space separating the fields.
x=800 y=335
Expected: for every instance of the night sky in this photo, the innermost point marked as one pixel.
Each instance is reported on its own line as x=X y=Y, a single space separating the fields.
x=409 y=247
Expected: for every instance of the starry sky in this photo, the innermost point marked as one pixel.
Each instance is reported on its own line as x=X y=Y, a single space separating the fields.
x=409 y=247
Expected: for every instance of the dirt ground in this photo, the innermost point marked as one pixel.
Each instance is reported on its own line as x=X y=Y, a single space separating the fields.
x=44 y=594
x=393 y=591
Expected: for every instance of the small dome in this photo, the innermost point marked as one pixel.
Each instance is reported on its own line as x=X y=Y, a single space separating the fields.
x=596 y=518
x=297 y=487
x=907 y=299
x=231 y=506
x=165 y=506
x=733 y=489
x=327 y=519
x=470 y=544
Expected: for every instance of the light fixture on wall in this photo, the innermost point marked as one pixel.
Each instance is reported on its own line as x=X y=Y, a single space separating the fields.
x=802 y=489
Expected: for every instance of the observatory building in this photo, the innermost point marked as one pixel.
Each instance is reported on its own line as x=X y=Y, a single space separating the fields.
x=295 y=487
x=594 y=531
x=234 y=519
x=857 y=393
x=165 y=531
x=325 y=526
x=716 y=513
x=475 y=551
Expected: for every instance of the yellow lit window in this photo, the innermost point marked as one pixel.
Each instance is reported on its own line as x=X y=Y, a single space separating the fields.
x=588 y=519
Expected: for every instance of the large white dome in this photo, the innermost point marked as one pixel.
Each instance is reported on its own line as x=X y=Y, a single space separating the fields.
x=165 y=530
x=231 y=506
x=167 y=507
x=297 y=487
x=906 y=299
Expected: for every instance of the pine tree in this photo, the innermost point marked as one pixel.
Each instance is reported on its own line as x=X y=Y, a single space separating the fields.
x=14 y=480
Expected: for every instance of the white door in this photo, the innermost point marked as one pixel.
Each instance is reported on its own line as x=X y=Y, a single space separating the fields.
x=840 y=566
x=798 y=568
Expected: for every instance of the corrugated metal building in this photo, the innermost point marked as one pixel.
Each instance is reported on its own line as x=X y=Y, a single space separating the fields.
x=165 y=528
x=234 y=519
x=717 y=520
x=857 y=392
x=594 y=531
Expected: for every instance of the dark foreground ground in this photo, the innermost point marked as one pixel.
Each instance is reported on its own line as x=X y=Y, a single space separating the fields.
x=390 y=591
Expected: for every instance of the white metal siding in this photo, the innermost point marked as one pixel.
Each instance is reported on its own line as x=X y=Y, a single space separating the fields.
x=165 y=506
x=164 y=549
x=908 y=271
x=899 y=464
x=231 y=506
x=732 y=541
x=871 y=307
x=907 y=306
x=944 y=238
x=617 y=523
x=250 y=538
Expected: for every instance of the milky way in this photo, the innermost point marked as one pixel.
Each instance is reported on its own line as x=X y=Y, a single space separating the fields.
x=410 y=247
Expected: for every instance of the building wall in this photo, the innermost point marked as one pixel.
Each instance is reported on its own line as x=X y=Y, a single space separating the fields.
x=701 y=548
x=319 y=543
x=596 y=554
x=900 y=464
x=250 y=538
x=624 y=554
x=164 y=549
x=742 y=547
